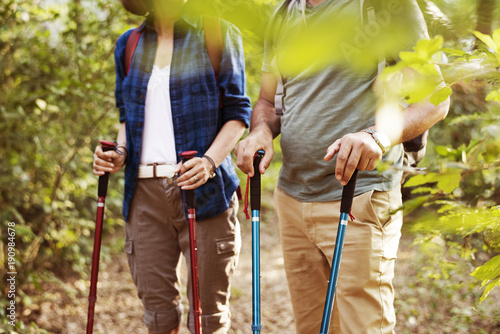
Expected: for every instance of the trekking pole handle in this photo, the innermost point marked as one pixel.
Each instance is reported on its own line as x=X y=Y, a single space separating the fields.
x=348 y=194
x=255 y=182
x=102 y=189
x=190 y=199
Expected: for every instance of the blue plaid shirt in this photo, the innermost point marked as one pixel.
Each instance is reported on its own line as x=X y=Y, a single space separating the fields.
x=194 y=102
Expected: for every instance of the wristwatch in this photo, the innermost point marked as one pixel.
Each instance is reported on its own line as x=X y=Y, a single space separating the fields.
x=381 y=139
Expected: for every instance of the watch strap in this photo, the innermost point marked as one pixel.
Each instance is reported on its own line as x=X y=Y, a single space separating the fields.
x=375 y=134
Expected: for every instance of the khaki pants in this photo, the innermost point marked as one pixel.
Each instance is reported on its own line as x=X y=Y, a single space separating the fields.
x=364 y=296
x=157 y=234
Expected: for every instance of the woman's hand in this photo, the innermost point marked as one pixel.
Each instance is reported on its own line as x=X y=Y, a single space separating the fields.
x=110 y=161
x=194 y=173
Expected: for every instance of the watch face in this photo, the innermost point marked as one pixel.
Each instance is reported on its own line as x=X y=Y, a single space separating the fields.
x=385 y=141
x=381 y=139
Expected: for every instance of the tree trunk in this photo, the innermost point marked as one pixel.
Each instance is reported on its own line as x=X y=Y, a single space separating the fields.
x=485 y=11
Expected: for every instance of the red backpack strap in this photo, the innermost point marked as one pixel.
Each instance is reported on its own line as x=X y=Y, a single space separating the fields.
x=213 y=37
x=132 y=41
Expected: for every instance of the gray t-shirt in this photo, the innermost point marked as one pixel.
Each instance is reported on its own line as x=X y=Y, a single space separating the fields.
x=326 y=100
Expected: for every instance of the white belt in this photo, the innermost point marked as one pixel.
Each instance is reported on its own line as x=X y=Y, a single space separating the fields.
x=155 y=170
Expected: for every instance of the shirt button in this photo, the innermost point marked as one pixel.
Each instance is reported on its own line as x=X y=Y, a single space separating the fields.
x=141 y=96
x=139 y=124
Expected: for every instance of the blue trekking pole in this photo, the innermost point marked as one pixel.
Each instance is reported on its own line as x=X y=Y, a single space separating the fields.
x=345 y=209
x=255 y=205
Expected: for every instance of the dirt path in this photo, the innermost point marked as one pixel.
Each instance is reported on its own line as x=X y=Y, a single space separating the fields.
x=118 y=309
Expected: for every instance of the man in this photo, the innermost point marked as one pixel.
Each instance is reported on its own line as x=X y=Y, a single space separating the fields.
x=169 y=103
x=327 y=131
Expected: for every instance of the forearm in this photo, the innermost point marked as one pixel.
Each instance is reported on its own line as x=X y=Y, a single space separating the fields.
x=121 y=139
x=264 y=118
x=420 y=117
x=225 y=141
x=415 y=120
x=417 y=117
x=264 y=127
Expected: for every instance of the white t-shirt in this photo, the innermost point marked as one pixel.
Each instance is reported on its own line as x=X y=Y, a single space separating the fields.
x=158 y=141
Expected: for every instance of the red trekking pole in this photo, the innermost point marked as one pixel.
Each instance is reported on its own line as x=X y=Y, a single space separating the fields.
x=195 y=279
x=102 y=191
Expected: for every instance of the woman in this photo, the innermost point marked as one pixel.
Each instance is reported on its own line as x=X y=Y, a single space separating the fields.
x=169 y=103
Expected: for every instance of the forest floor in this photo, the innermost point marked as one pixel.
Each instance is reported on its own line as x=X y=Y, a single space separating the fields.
x=421 y=309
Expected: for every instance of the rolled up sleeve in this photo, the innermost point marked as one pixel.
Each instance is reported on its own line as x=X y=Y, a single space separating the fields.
x=236 y=103
x=120 y=73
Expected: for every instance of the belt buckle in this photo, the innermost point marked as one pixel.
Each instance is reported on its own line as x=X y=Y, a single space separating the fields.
x=154 y=168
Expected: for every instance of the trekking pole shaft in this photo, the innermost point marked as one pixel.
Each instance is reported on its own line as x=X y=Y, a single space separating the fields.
x=195 y=278
x=256 y=325
x=101 y=192
x=95 y=263
x=345 y=209
x=332 y=284
x=255 y=198
x=190 y=199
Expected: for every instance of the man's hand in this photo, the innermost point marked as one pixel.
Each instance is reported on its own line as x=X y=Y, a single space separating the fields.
x=264 y=127
x=109 y=161
x=354 y=151
x=245 y=151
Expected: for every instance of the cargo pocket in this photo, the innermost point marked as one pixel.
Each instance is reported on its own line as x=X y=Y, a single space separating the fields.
x=226 y=260
x=129 y=246
x=226 y=245
x=129 y=250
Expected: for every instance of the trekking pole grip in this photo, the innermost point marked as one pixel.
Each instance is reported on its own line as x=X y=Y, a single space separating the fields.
x=190 y=199
x=102 y=190
x=255 y=182
x=348 y=194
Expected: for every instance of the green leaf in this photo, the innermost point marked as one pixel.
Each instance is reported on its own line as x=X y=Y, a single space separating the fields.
x=427 y=47
x=427 y=178
x=440 y=95
x=489 y=287
x=446 y=182
x=496 y=37
x=412 y=204
x=488 y=271
x=418 y=180
x=449 y=182
x=493 y=96
x=486 y=39
x=454 y=52
x=410 y=57
x=443 y=150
